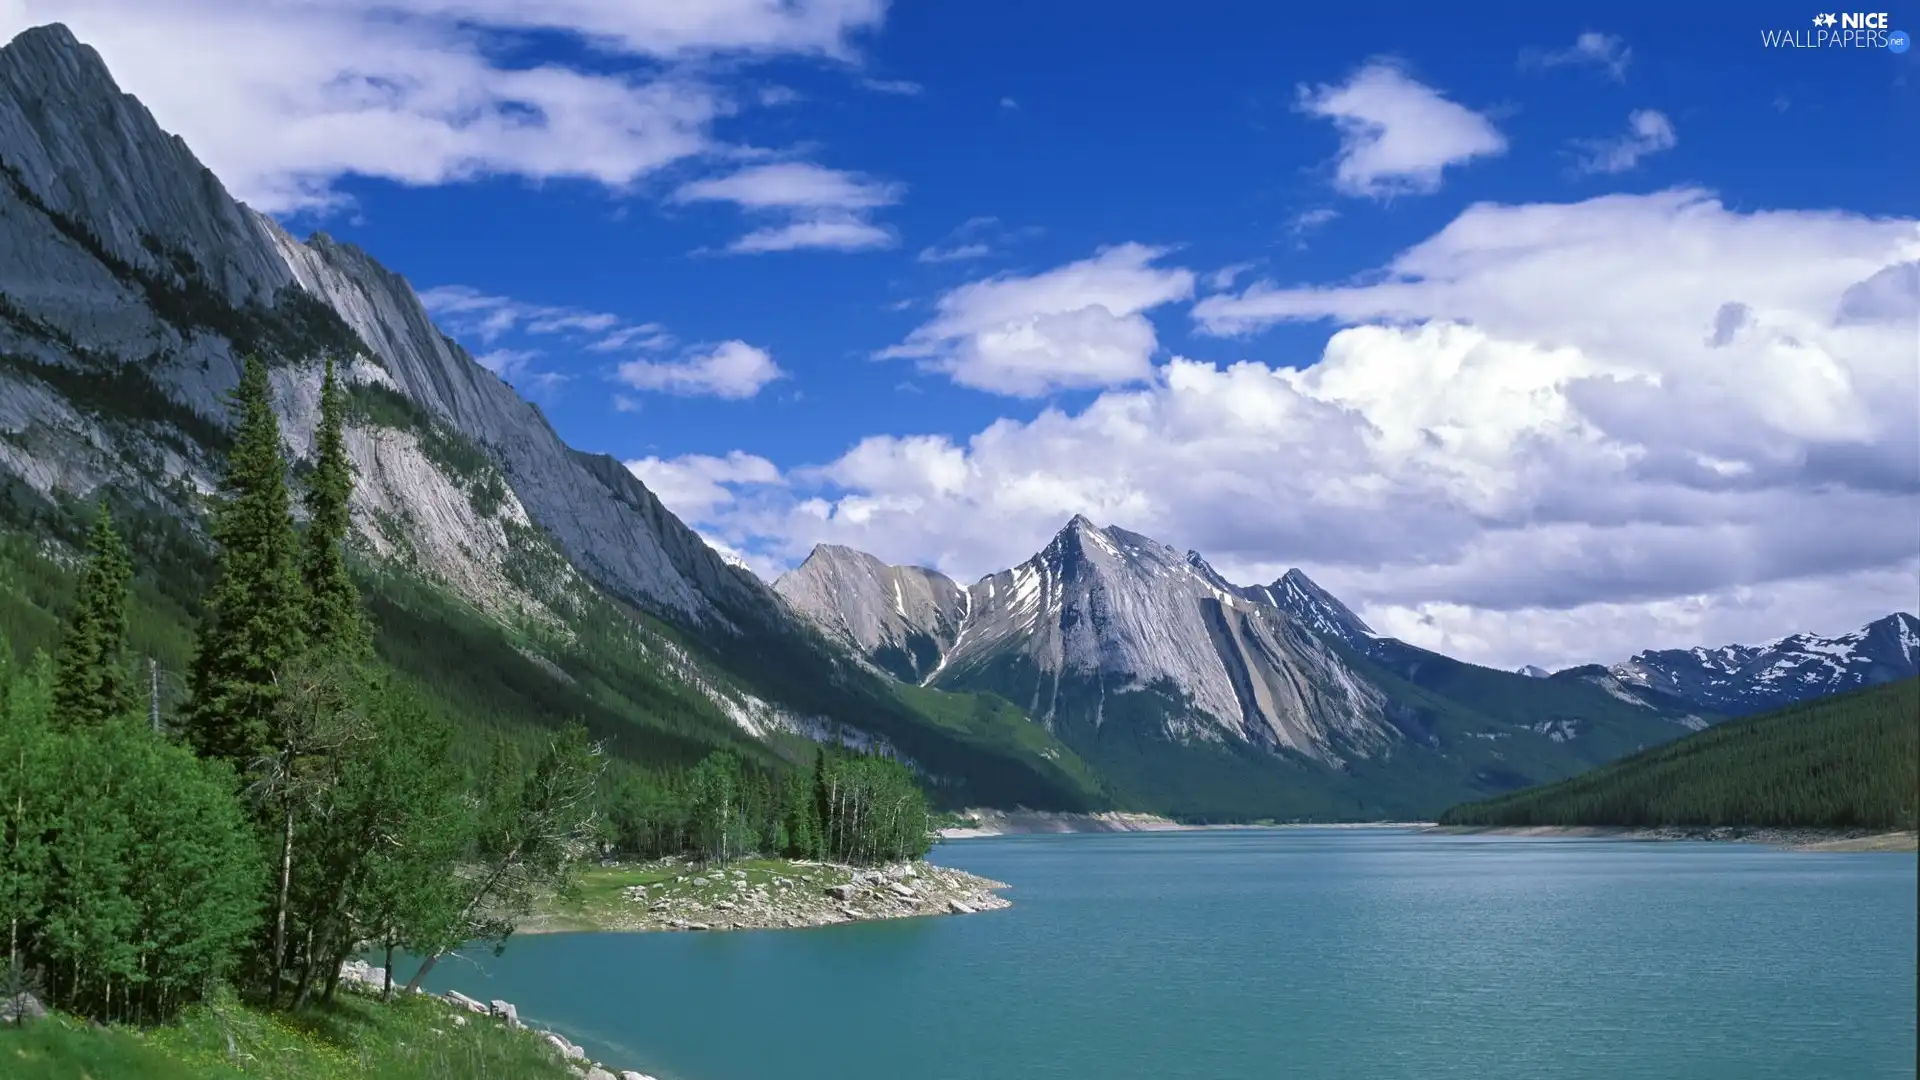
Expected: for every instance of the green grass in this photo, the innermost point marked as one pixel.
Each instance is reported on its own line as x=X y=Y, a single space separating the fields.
x=1850 y=761
x=356 y=1038
x=599 y=900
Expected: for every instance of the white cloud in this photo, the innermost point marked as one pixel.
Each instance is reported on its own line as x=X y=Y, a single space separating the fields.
x=956 y=253
x=1607 y=51
x=1397 y=135
x=826 y=208
x=1077 y=326
x=467 y=310
x=899 y=87
x=507 y=363
x=282 y=100
x=1546 y=434
x=1648 y=132
x=733 y=370
x=695 y=485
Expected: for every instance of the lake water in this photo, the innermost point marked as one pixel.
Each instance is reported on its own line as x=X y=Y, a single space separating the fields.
x=1318 y=954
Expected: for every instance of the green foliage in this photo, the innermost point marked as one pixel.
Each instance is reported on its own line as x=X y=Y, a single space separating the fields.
x=1844 y=762
x=252 y=624
x=351 y=1038
x=850 y=809
x=336 y=622
x=128 y=880
x=91 y=682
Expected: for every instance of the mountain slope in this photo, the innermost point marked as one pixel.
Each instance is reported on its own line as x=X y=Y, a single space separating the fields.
x=132 y=284
x=1739 y=679
x=1199 y=697
x=1845 y=762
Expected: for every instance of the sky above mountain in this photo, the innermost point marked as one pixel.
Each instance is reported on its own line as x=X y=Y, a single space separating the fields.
x=1537 y=335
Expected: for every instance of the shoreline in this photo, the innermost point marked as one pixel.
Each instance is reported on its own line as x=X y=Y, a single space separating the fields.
x=763 y=894
x=1787 y=839
x=990 y=823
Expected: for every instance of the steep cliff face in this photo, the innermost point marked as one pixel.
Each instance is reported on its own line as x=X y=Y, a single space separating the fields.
x=1100 y=614
x=131 y=288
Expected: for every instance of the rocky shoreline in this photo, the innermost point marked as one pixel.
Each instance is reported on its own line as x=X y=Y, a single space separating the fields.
x=365 y=978
x=673 y=895
x=1789 y=839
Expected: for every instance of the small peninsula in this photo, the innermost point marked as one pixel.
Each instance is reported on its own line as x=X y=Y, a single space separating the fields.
x=759 y=894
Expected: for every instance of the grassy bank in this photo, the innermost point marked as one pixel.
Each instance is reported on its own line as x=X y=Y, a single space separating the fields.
x=751 y=894
x=355 y=1038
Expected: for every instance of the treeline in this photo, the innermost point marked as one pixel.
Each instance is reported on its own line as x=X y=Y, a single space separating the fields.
x=298 y=807
x=1846 y=762
x=847 y=809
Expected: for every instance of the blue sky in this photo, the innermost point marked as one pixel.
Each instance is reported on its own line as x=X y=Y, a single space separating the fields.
x=930 y=278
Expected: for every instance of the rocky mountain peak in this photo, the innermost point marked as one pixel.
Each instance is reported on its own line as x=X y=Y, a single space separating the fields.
x=1735 y=679
x=1317 y=609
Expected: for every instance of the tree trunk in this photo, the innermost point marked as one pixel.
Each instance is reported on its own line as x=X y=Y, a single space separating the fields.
x=386 y=992
x=280 y=904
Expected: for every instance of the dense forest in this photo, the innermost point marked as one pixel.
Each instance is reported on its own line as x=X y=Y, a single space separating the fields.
x=1846 y=762
x=289 y=801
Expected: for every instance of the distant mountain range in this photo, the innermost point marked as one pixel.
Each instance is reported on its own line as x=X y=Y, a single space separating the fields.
x=517 y=580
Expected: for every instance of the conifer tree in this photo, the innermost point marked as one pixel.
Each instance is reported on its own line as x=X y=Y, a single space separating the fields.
x=252 y=624
x=335 y=621
x=91 y=681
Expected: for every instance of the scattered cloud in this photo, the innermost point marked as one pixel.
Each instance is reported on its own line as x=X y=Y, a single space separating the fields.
x=1009 y=104
x=975 y=238
x=900 y=87
x=698 y=484
x=733 y=370
x=1222 y=279
x=282 y=101
x=1608 y=52
x=1397 y=136
x=1073 y=327
x=507 y=363
x=826 y=208
x=645 y=336
x=1309 y=221
x=1548 y=433
x=1648 y=132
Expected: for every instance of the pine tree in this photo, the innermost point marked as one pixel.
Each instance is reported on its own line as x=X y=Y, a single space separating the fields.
x=335 y=619
x=252 y=624
x=91 y=681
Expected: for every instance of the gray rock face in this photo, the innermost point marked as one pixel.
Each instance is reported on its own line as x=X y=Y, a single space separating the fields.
x=1123 y=610
x=1737 y=679
x=21 y=1008
x=902 y=616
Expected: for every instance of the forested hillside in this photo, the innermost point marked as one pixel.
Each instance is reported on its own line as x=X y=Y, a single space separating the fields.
x=1845 y=762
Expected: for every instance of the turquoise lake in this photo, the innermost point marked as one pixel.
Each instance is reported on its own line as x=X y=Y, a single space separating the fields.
x=1320 y=954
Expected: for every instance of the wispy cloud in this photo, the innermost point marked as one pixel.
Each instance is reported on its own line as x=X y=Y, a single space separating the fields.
x=824 y=208
x=975 y=238
x=900 y=87
x=1608 y=52
x=1648 y=132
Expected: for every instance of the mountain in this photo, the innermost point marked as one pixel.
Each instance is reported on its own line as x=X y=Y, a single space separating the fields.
x=1740 y=679
x=1193 y=695
x=1846 y=761
x=1531 y=671
x=518 y=580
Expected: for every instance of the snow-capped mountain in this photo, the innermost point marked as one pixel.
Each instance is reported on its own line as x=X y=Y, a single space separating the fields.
x=1737 y=679
x=1163 y=674
x=1532 y=671
x=1100 y=613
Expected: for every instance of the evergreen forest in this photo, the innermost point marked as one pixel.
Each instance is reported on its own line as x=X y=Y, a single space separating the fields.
x=1851 y=761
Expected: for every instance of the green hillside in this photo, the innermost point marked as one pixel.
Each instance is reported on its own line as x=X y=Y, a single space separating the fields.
x=1846 y=762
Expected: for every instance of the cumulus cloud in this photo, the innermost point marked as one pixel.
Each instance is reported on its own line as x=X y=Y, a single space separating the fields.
x=1648 y=132
x=1397 y=135
x=1076 y=326
x=1609 y=52
x=697 y=484
x=826 y=208
x=282 y=100
x=733 y=370
x=1548 y=433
